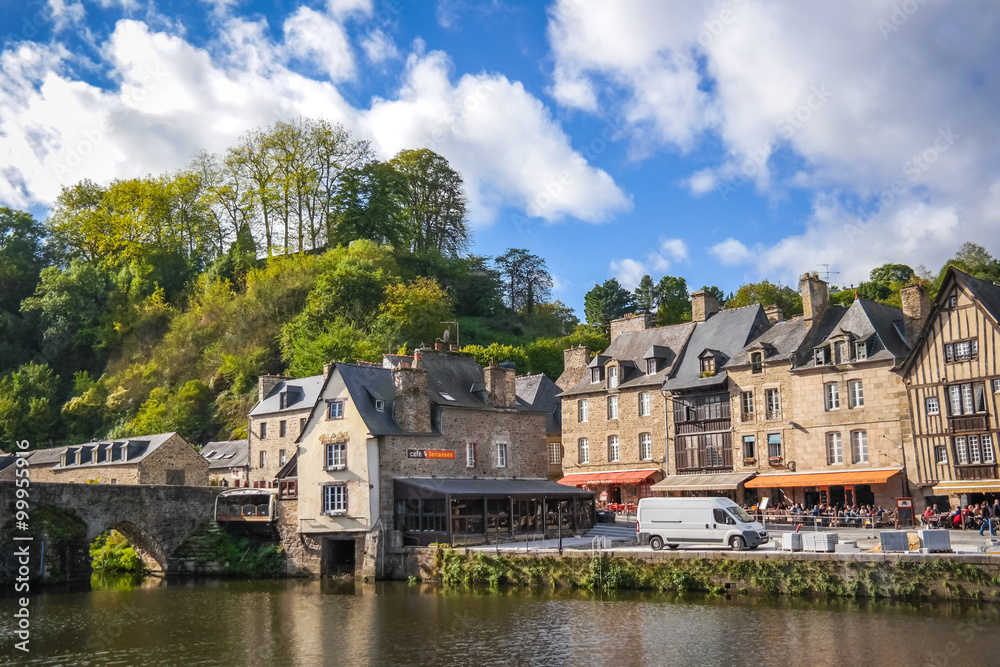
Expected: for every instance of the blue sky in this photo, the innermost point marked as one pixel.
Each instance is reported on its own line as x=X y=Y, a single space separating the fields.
x=722 y=141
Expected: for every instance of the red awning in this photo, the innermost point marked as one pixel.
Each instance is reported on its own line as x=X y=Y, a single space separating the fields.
x=609 y=477
x=842 y=478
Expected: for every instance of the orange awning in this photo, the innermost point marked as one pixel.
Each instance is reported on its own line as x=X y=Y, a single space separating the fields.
x=845 y=478
x=608 y=477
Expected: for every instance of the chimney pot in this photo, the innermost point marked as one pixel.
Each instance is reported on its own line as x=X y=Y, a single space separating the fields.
x=703 y=305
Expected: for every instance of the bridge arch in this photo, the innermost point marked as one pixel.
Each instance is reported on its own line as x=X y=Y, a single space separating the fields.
x=146 y=546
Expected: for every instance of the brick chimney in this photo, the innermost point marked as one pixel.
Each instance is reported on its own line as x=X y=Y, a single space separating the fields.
x=774 y=314
x=266 y=383
x=575 y=361
x=703 y=305
x=500 y=389
x=629 y=323
x=916 y=309
x=412 y=405
x=815 y=297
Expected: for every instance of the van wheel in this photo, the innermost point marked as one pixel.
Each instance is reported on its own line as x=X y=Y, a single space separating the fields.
x=656 y=542
x=737 y=543
x=673 y=546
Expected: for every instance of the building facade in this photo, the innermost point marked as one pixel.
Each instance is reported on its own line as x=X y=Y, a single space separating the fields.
x=275 y=423
x=228 y=462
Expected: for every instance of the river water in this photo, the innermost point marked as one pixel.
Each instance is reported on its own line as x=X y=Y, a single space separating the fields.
x=299 y=622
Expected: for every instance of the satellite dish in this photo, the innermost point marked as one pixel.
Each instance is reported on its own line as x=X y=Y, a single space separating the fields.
x=446 y=336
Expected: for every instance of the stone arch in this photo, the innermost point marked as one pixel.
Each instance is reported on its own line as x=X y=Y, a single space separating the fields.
x=146 y=547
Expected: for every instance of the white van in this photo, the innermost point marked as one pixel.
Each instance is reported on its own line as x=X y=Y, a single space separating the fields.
x=676 y=521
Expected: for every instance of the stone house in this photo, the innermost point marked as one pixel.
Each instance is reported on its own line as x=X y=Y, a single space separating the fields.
x=164 y=458
x=275 y=422
x=228 y=462
x=828 y=404
x=541 y=394
x=614 y=414
x=434 y=450
x=952 y=382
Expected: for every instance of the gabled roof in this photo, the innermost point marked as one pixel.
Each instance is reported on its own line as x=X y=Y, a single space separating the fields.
x=367 y=384
x=864 y=319
x=779 y=343
x=138 y=448
x=540 y=393
x=634 y=347
x=726 y=333
x=303 y=392
x=226 y=454
x=986 y=293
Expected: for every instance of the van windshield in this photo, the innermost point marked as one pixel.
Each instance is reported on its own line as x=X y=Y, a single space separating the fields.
x=741 y=514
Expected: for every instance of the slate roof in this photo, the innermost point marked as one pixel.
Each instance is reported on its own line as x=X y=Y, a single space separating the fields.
x=779 y=343
x=226 y=454
x=367 y=384
x=303 y=394
x=6 y=460
x=985 y=292
x=630 y=349
x=540 y=393
x=138 y=449
x=863 y=319
x=726 y=333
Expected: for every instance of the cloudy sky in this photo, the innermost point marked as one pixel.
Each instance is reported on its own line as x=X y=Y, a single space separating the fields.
x=721 y=141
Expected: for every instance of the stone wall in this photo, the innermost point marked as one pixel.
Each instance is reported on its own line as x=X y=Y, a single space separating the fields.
x=630 y=323
x=303 y=554
x=174 y=454
x=772 y=376
x=575 y=361
x=274 y=444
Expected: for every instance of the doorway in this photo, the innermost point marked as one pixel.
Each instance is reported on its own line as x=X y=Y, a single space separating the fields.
x=339 y=557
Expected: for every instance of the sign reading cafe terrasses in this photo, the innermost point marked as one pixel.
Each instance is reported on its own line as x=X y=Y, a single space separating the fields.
x=430 y=454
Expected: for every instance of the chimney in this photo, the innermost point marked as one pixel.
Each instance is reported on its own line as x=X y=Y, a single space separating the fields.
x=629 y=323
x=916 y=309
x=326 y=370
x=266 y=383
x=815 y=297
x=575 y=361
x=412 y=405
x=500 y=385
x=703 y=306
x=453 y=348
x=774 y=314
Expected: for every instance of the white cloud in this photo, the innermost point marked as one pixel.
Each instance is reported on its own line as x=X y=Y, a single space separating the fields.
x=378 y=46
x=321 y=40
x=344 y=8
x=173 y=99
x=838 y=98
x=628 y=272
x=730 y=252
x=64 y=15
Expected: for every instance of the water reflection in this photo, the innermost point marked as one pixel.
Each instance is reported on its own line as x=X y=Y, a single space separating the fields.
x=300 y=622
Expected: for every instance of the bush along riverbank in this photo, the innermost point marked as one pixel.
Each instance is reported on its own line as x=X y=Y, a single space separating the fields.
x=212 y=551
x=897 y=579
x=111 y=553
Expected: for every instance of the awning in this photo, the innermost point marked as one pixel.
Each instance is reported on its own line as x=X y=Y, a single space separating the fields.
x=845 y=478
x=720 y=482
x=967 y=486
x=608 y=477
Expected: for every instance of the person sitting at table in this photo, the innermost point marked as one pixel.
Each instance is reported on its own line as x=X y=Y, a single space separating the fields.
x=956 y=518
x=929 y=514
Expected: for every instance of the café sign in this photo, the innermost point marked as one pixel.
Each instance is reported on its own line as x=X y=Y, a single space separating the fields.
x=430 y=454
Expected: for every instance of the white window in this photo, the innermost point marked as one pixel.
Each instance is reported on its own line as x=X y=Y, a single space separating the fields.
x=595 y=374
x=555 y=453
x=749 y=447
x=840 y=353
x=650 y=366
x=861 y=351
x=281 y=457
x=949 y=353
x=859 y=446
x=941 y=454
x=988 y=455
x=967 y=399
x=612 y=377
x=774 y=445
x=996 y=386
x=748 y=404
x=832 y=393
x=645 y=447
x=446 y=396
x=263 y=430
x=856 y=393
x=756 y=362
x=974 y=449
x=773 y=400
x=334 y=499
x=501 y=454
x=962 y=350
x=263 y=459
x=336 y=410
x=819 y=356
x=581 y=410
x=644 y=404
x=613 y=448
x=584 y=450
x=955 y=399
x=470 y=454
x=931 y=406
x=952 y=301
x=336 y=456
x=834 y=449
x=612 y=407
x=961 y=454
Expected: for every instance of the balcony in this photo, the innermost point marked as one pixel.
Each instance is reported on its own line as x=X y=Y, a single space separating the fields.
x=704 y=459
x=773 y=414
x=976 y=472
x=746 y=417
x=975 y=423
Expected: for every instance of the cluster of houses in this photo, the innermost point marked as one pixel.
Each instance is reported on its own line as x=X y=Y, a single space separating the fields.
x=841 y=406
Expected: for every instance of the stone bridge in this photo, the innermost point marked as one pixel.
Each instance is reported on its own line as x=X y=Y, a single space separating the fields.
x=154 y=519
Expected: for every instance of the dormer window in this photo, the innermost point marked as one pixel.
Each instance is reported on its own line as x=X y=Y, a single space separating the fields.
x=283 y=400
x=821 y=355
x=650 y=366
x=757 y=362
x=861 y=351
x=595 y=374
x=612 y=377
x=379 y=405
x=840 y=355
x=708 y=365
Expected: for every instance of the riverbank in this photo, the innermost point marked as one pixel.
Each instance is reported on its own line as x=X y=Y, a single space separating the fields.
x=866 y=575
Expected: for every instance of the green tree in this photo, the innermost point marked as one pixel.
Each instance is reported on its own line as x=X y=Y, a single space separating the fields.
x=417 y=310
x=975 y=260
x=485 y=354
x=524 y=278
x=28 y=405
x=369 y=205
x=719 y=295
x=674 y=304
x=646 y=296
x=767 y=294
x=22 y=257
x=435 y=201
x=606 y=302
x=188 y=411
